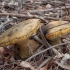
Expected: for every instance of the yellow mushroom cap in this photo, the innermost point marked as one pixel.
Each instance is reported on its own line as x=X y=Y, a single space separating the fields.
x=57 y=29
x=19 y=32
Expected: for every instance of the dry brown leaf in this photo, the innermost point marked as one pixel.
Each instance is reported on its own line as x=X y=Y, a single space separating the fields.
x=62 y=65
x=7 y=59
x=44 y=68
x=1 y=50
x=39 y=8
x=48 y=6
x=27 y=65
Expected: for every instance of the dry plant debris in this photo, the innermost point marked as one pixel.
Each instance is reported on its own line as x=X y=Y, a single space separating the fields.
x=45 y=56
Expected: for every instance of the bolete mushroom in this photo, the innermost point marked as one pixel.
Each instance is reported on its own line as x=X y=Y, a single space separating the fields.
x=56 y=30
x=19 y=35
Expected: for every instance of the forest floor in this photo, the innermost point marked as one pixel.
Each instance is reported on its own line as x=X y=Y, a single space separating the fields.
x=13 y=12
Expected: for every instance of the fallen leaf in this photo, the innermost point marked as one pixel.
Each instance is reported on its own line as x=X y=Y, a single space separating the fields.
x=48 y=6
x=44 y=68
x=62 y=65
x=1 y=50
x=39 y=8
x=27 y=65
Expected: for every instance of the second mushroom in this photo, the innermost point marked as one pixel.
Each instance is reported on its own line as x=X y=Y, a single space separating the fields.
x=55 y=30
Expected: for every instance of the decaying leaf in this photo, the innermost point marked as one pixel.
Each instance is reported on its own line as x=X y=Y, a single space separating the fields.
x=27 y=65
x=62 y=65
x=44 y=68
x=48 y=6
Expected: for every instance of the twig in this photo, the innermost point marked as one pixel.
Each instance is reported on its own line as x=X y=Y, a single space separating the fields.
x=23 y=16
x=45 y=41
x=47 y=10
x=48 y=59
x=51 y=18
x=43 y=38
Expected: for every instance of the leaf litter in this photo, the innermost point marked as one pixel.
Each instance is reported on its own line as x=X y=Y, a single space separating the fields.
x=14 y=11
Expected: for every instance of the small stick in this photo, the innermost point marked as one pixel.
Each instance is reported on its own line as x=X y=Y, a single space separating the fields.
x=48 y=59
x=23 y=16
x=45 y=41
x=47 y=10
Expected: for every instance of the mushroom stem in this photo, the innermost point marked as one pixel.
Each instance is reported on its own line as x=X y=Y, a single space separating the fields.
x=26 y=48
x=35 y=37
x=55 y=42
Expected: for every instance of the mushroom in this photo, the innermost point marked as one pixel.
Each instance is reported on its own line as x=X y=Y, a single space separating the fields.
x=19 y=34
x=56 y=30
